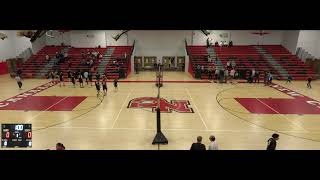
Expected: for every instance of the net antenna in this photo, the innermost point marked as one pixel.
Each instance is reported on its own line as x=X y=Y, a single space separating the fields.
x=160 y=137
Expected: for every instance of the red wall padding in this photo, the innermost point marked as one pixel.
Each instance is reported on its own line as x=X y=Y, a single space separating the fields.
x=3 y=68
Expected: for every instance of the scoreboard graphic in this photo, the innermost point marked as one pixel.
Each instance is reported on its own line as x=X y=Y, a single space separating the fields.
x=16 y=135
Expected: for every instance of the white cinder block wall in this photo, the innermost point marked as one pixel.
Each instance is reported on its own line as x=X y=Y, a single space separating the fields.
x=309 y=40
x=290 y=40
x=13 y=45
x=159 y=42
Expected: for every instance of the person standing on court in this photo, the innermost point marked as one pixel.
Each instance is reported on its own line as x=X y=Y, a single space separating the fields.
x=272 y=142
x=309 y=82
x=115 y=84
x=97 y=87
x=198 y=145
x=85 y=74
x=213 y=143
x=18 y=79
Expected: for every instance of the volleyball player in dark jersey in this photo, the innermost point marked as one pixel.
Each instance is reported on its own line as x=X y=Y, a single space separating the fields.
x=73 y=79
x=90 y=77
x=97 y=88
x=115 y=84
x=81 y=80
x=52 y=74
x=97 y=76
x=61 y=78
x=69 y=74
x=309 y=82
x=104 y=86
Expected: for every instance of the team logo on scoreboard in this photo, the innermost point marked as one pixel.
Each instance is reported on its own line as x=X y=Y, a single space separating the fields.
x=180 y=106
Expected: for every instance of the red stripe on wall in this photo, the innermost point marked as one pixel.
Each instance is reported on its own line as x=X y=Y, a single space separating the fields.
x=3 y=68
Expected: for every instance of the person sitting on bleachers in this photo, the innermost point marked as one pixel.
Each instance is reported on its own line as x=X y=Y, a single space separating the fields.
x=91 y=63
x=230 y=43
x=47 y=58
x=66 y=56
x=228 y=64
x=233 y=64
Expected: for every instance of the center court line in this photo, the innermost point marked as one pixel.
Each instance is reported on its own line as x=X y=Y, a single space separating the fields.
x=282 y=115
x=114 y=122
x=46 y=109
x=196 y=108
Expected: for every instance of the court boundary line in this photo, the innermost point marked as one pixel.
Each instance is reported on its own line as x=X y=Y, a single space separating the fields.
x=260 y=126
x=123 y=105
x=196 y=108
x=281 y=115
x=47 y=109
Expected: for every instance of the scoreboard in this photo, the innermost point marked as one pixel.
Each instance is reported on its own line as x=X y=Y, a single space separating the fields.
x=16 y=135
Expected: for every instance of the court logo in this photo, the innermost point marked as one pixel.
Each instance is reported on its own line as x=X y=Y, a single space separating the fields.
x=180 y=106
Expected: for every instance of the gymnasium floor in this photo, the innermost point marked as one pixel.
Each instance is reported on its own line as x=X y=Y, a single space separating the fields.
x=240 y=115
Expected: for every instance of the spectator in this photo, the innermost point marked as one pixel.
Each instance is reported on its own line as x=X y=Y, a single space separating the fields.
x=272 y=142
x=91 y=63
x=216 y=44
x=233 y=64
x=213 y=144
x=69 y=64
x=228 y=64
x=230 y=43
x=57 y=55
x=66 y=55
x=47 y=58
x=82 y=62
x=198 y=145
x=60 y=146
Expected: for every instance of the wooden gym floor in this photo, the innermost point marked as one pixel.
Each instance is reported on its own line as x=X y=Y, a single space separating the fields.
x=240 y=115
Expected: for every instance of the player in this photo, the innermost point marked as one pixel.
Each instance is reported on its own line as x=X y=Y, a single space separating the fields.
x=18 y=79
x=270 y=78
x=115 y=84
x=104 y=86
x=97 y=76
x=61 y=78
x=52 y=74
x=85 y=74
x=309 y=82
x=81 y=80
x=90 y=77
x=73 y=79
x=69 y=74
x=289 y=79
x=97 y=88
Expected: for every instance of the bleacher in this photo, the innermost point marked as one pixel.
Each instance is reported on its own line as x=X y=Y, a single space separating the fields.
x=198 y=56
x=247 y=57
x=36 y=62
x=75 y=58
x=291 y=63
x=124 y=63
